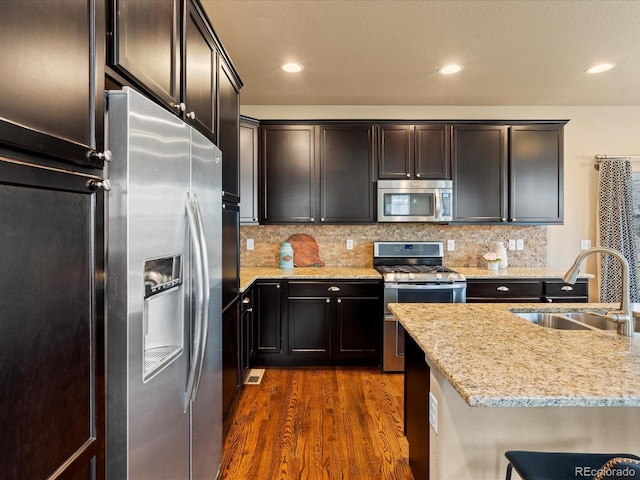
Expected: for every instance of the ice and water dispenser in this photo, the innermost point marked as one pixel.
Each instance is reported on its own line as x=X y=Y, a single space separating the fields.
x=163 y=315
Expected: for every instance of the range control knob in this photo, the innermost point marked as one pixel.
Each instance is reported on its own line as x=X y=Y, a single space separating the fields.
x=438 y=276
x=452 y=277
x=411 y=276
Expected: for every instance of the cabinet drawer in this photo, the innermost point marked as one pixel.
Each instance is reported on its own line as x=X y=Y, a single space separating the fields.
x=328 y=288
x=562 y=289
x=509 y=289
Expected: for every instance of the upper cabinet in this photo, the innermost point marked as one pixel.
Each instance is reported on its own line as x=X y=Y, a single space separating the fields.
x=145 y=46
x=168 y=49
x=317 y=173
x=200 y=73
x=229 y=130
x=413 y=151
x=249 y=171
x=508 y=173
x=480 y=173
x=52 y=84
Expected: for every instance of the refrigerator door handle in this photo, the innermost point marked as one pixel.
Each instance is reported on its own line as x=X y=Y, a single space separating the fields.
x=198 y=300
x=204 y=326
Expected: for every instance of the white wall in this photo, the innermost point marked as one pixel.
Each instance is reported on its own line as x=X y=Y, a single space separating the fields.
x=590 y=131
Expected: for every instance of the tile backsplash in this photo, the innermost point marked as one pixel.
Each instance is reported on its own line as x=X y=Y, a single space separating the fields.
x=471 y=242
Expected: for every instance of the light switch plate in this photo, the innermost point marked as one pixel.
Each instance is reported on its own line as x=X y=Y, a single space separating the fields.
x=585 y=244
x=349 y=244
x=512 y=244
x=250 y=244
x=520 y=244
x=451 y=245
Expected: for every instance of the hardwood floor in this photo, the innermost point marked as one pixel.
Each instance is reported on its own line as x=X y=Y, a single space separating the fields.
x=319 y=423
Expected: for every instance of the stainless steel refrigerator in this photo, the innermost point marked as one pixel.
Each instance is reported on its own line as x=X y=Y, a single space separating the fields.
x=163 y=288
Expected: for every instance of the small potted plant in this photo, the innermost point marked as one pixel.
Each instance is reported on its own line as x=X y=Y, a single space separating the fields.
x=492 y=260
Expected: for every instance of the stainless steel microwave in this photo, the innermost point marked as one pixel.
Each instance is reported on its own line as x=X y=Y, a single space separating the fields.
x=415 y=200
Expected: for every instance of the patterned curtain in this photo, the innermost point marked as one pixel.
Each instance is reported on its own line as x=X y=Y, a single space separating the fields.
x=615 y=221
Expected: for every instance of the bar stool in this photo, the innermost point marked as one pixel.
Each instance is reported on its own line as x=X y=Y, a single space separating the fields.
x=572 y=466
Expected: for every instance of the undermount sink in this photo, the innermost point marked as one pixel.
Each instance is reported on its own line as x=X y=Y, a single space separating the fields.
x=557 y=321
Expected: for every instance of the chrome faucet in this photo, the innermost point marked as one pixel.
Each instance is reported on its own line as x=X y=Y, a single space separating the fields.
x=623 y=317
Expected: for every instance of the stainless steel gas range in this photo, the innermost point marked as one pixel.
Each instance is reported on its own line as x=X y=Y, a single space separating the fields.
x=413 y=273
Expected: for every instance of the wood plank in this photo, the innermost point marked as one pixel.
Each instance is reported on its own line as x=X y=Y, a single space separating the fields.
x=319 y=423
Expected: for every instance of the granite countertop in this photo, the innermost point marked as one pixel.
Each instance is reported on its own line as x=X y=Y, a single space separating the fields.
x=250 y=274
x=494 y=358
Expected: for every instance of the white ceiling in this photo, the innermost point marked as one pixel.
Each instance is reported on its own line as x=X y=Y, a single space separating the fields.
x=387 y=52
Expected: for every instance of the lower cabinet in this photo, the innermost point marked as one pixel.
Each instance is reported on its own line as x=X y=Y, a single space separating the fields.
x=230 y=356
x=246 y=333
x=317 y=323
x=532 y=290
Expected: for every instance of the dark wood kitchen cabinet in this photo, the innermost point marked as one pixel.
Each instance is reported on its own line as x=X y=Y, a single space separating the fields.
x=508 y=173
x=530 y=290
x=144 y=46
x=200 y=73
x=536 y=173
x=480 y=173
x=249 y=171
x=229 y=130
x=52 y=333
x=288 y=186
x=334 y=322
x=52 y=82
x=346 y=154
x=246 y=332
x=418 y=151
x=268 y=298
x=320 y=173
x=230 y=360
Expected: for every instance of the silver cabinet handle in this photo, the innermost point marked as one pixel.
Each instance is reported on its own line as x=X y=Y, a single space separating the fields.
x=191 y=115
x=313 y=219
x=502 y=288
x=328 y=300
x=408 y=175
x=514 y=219
x=417 y=175
x=503 y=219
x=278 y=285
x=105 y=156
x=103 y=184
x=249 y=310
x=181 y=107
x=339 y=300
x=334 y=289
x=566 y=288
x=246 y=301
x=549 y=300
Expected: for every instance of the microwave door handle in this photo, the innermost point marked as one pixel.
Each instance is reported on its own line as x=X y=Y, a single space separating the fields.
x=438 y=202
x=198 y=299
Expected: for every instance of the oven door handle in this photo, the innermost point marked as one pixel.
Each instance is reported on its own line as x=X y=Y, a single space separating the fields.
x=425 y=286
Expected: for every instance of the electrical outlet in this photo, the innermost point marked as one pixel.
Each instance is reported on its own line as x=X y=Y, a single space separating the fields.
x=585 y=244
x=349 y=244
x=520 y=244
x=451 y=245
x=512 y=244
x=250 y=244
x=433 y=412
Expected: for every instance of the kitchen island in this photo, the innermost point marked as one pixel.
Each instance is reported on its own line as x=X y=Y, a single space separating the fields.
x=502 y=383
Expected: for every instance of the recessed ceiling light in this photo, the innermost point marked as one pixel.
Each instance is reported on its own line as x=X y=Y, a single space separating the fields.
x=602 y=67
x=449 y=69
x=292 y=67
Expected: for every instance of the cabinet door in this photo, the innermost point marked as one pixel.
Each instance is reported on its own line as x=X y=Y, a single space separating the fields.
x=431 y=157
x=309 y=326
x=416 y=411
x=346 y=174
x=358 y=327
x=146 y=45
x=491 y=291
x=395 y=152
x=246 y=333
x=536 y=173
x=230 y=355
x=479 y=173
x=52 y=80
x=52 y=403
x=267 y=338
x=249 y=171
x=200 y=74
x=229 y=132
x=230 y=252
x=288 y=189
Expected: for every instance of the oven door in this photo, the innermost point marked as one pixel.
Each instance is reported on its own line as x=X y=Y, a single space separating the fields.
x=393 y=335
